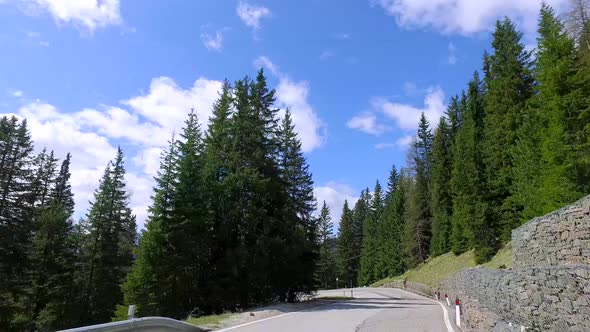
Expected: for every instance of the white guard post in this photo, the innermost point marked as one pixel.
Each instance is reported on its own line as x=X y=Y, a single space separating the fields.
x=457 y=312
x=131 y=312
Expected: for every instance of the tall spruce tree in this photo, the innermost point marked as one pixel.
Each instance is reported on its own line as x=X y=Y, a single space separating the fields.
x=300 y=205
x=187 y=231
x=369 y=263
x=43 y=178
x=360 y=213
x=148 y=283
x=455 y=113
x=263 y=220
x=419 y=226
x=442 y=203
x=16 y=222
x=218 y=153
x=347 y=257
x=468 y=176
x=51 y=294
x=544 y=158
x=391 y=235
x=578 y=117
x=327 y=260
x=108 y=250
x=509 y=86
x=62 y=192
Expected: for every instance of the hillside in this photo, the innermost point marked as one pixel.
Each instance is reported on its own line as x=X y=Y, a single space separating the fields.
x=441 y=267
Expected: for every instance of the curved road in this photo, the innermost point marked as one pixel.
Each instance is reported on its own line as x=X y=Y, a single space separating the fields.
x=373 y=309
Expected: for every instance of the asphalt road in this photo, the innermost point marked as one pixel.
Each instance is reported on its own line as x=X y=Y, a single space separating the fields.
x=373 y=309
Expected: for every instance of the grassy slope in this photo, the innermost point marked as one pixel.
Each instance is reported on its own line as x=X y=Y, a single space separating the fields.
x=211 y=321
x=444 y=266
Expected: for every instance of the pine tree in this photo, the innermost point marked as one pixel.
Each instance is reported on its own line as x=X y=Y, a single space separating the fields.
x=107 y=252
x=419 y=226
x=509 y=87
x=544 y=158
x=369 y=265
x=53 y=258
x=470 y=227
x=267 y=228
x=360 y=214
x=348 y=270
x=391 y=234
x=455 y=114
x=62 y=192
x=327 y=260
x=218 y=174
x=442 y=203
x=577 y=22
x=51 y=295
x=146 y=285
x=578 y=117
x=16 y=222
x=43 y=178
x=301 y=202
x=187 y=229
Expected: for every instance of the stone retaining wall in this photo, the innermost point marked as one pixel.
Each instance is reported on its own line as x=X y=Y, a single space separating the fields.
x=551 y=298
x=561 y=237
x=549 y=288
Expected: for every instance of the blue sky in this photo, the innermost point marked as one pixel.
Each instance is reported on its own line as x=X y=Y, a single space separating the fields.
x=90 y=75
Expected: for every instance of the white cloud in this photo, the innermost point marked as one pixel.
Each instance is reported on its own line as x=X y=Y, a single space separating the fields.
x=149 y=160
x=307 y=124
x=167 y=104
x=90 y=14
x=16 y=93
x=367 y=122
x=115 y=122
x=325 y=55
x=252 y=14
x=140 y=190
x=465 y=17
x=213 y=42
x=145 y=121
x=334 y=194
x=44 y=43
x=294 y=94
x=452 y=59
x=62 y=133
x=264 y=62
x=404 y=142
x=406 y=116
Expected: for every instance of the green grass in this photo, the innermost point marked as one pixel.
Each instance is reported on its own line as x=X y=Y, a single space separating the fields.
x=211 y=321
x=444 y=266
x=503 y=258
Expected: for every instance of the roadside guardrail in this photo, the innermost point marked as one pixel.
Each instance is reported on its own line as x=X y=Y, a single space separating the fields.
x=148 y=324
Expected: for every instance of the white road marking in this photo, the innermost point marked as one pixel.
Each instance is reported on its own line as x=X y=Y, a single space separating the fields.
x=269 y=318
x=256 y=321
x=445 y=312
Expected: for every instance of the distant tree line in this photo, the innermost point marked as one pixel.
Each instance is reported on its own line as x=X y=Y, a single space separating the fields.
x=515 y=144
x=231 y=223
